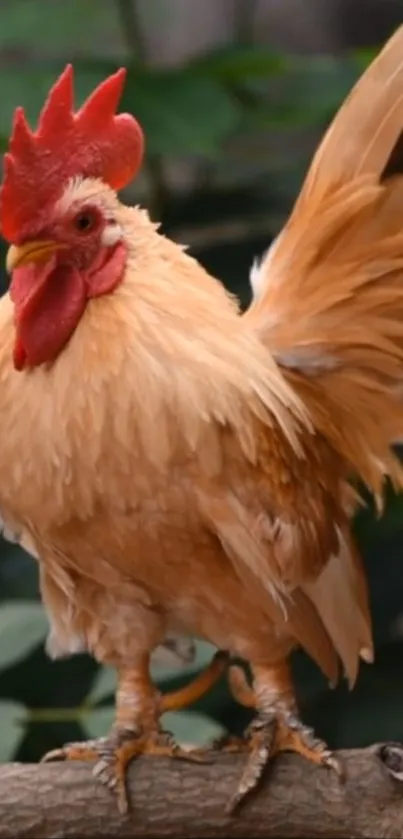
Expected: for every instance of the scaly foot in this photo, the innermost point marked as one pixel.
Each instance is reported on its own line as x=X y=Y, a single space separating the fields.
x=274 y=730
x=269 y=734
x=114 y=753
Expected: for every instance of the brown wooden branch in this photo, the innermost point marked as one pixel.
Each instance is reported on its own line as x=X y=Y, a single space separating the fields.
x=181 y=799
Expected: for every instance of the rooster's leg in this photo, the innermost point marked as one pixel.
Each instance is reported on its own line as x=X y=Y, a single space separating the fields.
x=276 y=727
x=136 y=730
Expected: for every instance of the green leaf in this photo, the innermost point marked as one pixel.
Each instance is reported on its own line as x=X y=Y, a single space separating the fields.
x=191 y=729
x=18 y=571
x=98 y=722
x=52 y=27
x=318 y=85
x=23 y=625
x=11 y=716
x=364 y=56
x=235 y=64
x=310 y=93
x=182 y=113
x=103 y=685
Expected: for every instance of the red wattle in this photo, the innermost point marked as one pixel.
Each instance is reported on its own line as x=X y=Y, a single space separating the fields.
x=106 y=271
x=49 y=302
x=19 y=354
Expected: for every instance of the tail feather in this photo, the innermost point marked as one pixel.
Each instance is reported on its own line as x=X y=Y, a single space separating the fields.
x=367 y=127
x=341 y=589
x=329 y=305
x=330 y=301
x=305 y=624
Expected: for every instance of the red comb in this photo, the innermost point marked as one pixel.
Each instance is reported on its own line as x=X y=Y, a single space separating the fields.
x=94 y=142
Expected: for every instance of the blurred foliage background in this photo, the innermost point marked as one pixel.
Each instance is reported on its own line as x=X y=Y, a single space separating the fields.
x=233 y=96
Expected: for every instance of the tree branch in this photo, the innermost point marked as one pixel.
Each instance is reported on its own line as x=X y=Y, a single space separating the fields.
x=180 y=799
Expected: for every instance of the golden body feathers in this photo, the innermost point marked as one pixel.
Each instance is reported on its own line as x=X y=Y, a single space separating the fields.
x=181 y=467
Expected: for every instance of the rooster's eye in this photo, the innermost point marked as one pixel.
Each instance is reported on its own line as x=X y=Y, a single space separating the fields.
x=85 y=221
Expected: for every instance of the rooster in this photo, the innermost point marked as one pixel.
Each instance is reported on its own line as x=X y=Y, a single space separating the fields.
x=177 y=466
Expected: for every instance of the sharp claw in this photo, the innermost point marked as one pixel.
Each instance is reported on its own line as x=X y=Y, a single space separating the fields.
x=112 y=776
x=123 y=802
x=55 y=754
x=234 y=801
x=270 y=734
x=335 y=764
x=252 y=775
x=261 y=744
x=113 y=755
x=101 y=771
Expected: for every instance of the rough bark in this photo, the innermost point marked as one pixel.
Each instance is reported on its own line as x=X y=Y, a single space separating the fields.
x=180 y=799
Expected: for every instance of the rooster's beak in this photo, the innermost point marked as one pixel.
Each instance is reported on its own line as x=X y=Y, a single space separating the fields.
x=36 y=251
